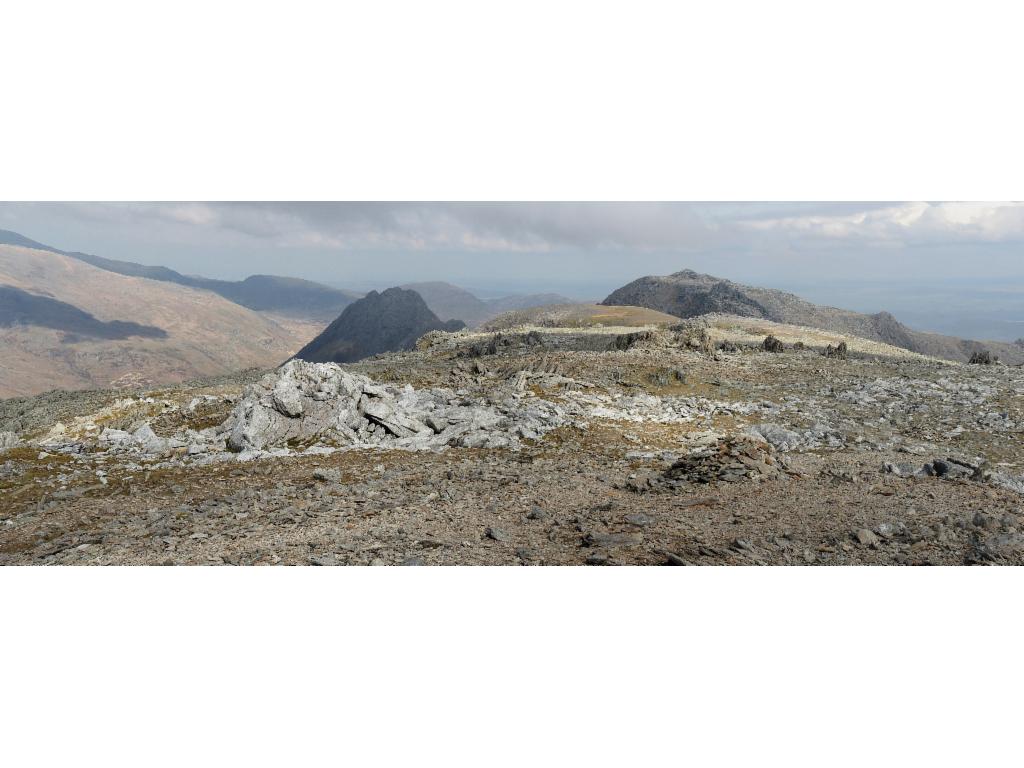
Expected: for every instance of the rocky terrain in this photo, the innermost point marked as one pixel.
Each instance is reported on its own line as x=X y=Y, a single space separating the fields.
x=690 y=294
x=389 y=321
x=699 y=444
x=65 y=324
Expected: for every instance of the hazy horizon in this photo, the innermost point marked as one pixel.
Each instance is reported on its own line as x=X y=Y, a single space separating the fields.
x=949 y=267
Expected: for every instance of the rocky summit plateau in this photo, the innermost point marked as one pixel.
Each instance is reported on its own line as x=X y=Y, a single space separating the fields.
x=721 y=439
x=691 y=294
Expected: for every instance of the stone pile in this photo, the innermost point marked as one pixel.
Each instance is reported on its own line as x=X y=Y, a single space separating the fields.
x=731 y=460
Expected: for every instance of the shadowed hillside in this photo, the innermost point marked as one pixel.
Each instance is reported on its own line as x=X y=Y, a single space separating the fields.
x=18 y=307
x=263 y=293
x=65 y=324
x=379 y=322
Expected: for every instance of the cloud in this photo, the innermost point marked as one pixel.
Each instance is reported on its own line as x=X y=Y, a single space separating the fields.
x=626 y=226
x=904 y=223
x=471 y=226
x=568 y=243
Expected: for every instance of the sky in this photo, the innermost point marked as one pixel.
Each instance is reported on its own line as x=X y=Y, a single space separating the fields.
x=910 y=256
x=541 y=244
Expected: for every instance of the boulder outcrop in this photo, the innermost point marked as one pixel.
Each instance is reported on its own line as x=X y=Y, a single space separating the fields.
x=303 y=404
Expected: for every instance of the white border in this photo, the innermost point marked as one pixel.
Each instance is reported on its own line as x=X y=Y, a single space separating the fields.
x=531 y=100
x=536 y=100
x=574 y=666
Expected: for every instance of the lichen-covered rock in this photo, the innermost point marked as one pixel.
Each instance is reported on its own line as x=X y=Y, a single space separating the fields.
x=151 y=443
x=142 y=440
x=8 y=440
x=301 y=403
x=777 y=436
x=309 y=403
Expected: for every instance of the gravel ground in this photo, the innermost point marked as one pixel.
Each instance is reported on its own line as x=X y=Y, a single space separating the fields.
x=853 y=469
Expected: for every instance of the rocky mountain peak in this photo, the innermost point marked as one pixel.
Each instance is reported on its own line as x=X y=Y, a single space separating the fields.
x=687 y=294
x=389 y=321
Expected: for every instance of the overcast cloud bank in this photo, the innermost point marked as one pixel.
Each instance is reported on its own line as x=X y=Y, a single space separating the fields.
x=575 y=248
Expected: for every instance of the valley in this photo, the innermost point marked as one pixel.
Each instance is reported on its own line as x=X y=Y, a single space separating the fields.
x=118 y=330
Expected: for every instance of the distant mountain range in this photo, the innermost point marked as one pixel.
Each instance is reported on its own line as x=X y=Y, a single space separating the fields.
x=379 y=322
x=65 y=324
x=289 y=296
x=450 y=302
x=305 y=299
x=689 y=294
x=71 y=320
x=74 y=320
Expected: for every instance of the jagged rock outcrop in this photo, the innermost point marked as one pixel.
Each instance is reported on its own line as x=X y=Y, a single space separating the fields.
x=500 y=342
x=642 y=340
x=391 y=321
x=304 y=404
x=690 y=294
x=838 y=352
x=144 y=439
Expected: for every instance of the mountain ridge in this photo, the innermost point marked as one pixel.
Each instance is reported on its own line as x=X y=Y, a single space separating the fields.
x=449 y=301
x=263 y=293
x=65 y=324
x=688 y=294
